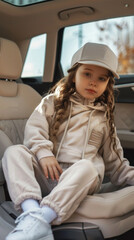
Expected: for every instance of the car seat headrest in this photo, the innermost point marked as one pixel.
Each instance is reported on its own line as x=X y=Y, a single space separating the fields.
x=10 y=60
x=8 y=89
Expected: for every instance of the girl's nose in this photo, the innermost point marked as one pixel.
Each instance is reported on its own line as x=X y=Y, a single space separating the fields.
x=92 y=81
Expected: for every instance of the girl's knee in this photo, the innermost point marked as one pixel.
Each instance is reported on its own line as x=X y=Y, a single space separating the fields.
x=86 y=167
x=11 y=153
x=11 y=150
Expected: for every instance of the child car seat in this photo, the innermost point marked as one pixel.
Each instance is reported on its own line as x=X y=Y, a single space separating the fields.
x=111 y=210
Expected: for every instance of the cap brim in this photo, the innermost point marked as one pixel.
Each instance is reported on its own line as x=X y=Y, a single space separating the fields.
x=100 y=64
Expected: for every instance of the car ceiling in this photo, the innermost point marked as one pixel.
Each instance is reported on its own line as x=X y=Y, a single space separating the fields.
x=20 y=23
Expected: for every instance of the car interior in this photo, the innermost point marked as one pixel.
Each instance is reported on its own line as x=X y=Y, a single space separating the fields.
x=37 y=40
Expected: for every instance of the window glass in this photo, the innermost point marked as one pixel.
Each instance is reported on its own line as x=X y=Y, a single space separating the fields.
x=24 y=2
x=117 y=33
x=35 y=59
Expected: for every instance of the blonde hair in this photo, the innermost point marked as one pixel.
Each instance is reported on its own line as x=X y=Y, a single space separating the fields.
x=65 y=88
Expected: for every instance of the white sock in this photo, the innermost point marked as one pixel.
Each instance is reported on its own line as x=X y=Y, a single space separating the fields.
x=29 y=204
x=49 y=213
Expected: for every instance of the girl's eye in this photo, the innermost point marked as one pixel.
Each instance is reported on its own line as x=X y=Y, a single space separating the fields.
x=87 y=74
x=103 y=79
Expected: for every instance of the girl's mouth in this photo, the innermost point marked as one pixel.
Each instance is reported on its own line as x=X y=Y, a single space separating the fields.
x=91 y=91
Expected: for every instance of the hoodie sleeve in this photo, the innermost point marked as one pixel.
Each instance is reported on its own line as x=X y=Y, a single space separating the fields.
x=118 y=169
x=36 y=135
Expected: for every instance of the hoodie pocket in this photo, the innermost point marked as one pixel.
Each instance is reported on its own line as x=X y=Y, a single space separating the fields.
x=96 y=138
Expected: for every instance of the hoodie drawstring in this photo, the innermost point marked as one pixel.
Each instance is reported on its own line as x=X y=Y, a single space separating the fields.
x=88 y=133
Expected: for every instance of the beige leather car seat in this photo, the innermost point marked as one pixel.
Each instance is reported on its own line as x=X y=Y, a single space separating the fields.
x=111 y=210
x=17 y=100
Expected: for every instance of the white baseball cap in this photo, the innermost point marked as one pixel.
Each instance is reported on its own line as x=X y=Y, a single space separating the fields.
x=97 y=54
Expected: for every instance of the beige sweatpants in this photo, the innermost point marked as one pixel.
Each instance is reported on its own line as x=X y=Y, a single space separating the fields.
x=25 y=180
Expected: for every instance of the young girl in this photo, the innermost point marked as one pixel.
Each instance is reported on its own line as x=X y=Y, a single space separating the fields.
x=70 y=141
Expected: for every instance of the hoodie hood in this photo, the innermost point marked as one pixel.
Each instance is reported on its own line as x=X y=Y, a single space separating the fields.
x=86 y=103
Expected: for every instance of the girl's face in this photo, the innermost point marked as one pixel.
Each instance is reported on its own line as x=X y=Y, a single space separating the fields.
x=91 y=81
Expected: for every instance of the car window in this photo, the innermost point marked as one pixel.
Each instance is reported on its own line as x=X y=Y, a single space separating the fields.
x=24 y=2
x=35 y=59
x=118 y=33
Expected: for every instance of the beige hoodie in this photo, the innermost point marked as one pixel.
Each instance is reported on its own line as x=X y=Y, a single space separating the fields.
x=85 y=134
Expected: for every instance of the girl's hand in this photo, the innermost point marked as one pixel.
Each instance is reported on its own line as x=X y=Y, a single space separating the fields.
x=50 y=167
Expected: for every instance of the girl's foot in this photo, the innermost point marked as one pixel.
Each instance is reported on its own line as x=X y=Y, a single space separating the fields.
x=31 y=226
